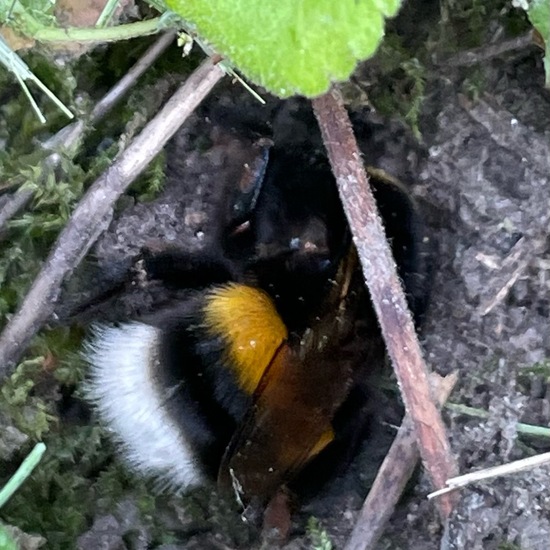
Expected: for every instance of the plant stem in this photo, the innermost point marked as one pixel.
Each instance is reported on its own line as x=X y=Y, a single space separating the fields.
x=22 y=473
x=107 y=13
x=525 y=429
x=95 y=34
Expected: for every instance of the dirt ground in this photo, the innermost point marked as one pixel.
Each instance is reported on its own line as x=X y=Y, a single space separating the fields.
x=486 y=177
x=481 y=174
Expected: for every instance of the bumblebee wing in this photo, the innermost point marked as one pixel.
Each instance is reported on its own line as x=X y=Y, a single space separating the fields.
x=287 y=425
x=290 y=420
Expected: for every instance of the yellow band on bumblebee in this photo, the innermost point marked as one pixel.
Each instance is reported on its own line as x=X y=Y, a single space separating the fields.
x=247 y=321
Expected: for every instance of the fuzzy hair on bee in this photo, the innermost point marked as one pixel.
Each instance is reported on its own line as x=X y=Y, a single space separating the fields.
x=124 y=358
x=256 y=375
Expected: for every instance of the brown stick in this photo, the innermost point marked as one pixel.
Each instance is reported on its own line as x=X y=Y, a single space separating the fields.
x=93 y=214
x=393 y=475
x=385 y=290
x=119 y=90
x=12 y=205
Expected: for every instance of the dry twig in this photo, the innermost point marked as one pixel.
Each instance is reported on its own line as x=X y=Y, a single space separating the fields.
x=392 y=476
x=496 y=471
x=486 y=52
x=505 y=131
x=13 y=204
x=385 y=290
x=93 y=214
x=513 y=265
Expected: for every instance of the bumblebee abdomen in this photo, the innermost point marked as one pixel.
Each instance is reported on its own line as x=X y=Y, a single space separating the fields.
x=173 y=391
x=124 y=387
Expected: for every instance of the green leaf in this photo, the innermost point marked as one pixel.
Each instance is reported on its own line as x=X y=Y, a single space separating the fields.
x=539 y=15
x=290 y=46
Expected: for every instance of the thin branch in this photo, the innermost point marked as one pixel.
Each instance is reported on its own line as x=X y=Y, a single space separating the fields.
x=392 y=477
x=385 y=290
x=495 y=471
x=70 y=136
x=484 y=53
x=510 y=269
x=94 y=212
x=13 y=204
x=115 y=94
x=488 y=305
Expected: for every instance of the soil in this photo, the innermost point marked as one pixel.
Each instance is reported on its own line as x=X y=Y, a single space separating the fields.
x=486 y=177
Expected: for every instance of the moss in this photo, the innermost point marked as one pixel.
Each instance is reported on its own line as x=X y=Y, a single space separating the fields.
x=151 y=182
x=78 y=477
x=402 y=69
x=539 y=369
x=318 y=536
x=72 y=484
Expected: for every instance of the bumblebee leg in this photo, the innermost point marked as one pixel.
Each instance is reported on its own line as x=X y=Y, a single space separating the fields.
x=183 y=270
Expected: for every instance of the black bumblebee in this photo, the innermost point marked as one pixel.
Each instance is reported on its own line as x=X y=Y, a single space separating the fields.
x=256 y=375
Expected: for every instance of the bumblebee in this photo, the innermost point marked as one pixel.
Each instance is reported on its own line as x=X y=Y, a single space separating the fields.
x=256 y=375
